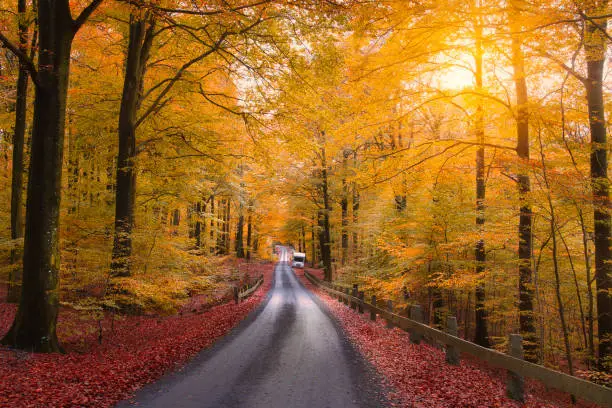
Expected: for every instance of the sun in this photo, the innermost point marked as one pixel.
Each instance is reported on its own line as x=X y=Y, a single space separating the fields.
x=454 y=78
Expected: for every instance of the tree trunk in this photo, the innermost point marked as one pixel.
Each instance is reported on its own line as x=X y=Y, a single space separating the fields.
x=34 y=327
x=525 y=248
x=589 y=282
x=249 y=233
x=226 y=225
x=18 y=143
x=595 y=48
x=553 y=234
x=220 y=227
x=239 y=236
x=324 y=233
x=212 y=224
x=198 y=225
x=141 y=34
x=313 y=260
x=355 y=251
x=176 y=217
x=481 y=335
x=344 y=209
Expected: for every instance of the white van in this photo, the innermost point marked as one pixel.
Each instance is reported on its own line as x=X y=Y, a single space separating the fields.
x=298 y=259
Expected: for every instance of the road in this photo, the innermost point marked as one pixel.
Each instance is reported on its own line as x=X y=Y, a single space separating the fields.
x=288 y=354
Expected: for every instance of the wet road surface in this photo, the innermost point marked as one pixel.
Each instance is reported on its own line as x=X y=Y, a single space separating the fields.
x=288 y=353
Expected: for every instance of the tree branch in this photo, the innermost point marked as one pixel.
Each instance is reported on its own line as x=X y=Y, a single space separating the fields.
x=87 y=11
x=23 y=58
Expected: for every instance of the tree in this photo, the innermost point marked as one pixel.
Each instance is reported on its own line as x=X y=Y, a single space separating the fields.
x=34 y=327
x=141 y=34
x=18 y=143
x=525 y=246
x=481 y=336
x=595 y=50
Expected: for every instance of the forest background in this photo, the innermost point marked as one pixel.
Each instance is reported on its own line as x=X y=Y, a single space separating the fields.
x=448 y=153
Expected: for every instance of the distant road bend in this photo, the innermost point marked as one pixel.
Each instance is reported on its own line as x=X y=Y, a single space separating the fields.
x=288 y=354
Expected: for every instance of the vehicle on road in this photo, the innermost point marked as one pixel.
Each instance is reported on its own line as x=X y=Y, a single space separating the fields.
x=298 y=259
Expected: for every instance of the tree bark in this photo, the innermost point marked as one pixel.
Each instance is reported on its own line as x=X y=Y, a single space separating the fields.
x=595 y=49
x=324 y=233
x=355 y=209
x=226 y=235
x=198 y=225
x=141 y=34
x=240 y=236
x=589 y=282
x=344 y=205
x=212 y=224
x=481 y=335
x=220 y=227
x=18 y=143
x=249 y=234
x=313 y=260
x=525 y=246
x=34 y=327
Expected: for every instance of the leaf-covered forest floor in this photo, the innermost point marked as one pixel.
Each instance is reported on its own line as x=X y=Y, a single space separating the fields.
x=419 y=375
x=135 y=350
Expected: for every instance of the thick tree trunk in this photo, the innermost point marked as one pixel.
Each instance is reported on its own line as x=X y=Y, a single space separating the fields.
x=525 y=247
x=140 y=40
x=481 y=335
x=34 y=327
x=595 y=47
x=18 y=143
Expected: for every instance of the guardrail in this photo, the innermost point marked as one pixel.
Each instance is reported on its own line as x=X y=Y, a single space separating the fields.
x=514 y=363
x=245 y=291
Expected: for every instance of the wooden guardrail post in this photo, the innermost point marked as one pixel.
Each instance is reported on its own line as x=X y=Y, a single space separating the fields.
x=354 y=294
x=390 y=309
x=515 y=386
x=372 y=310
x=236 y=295
x=337 y=288
x=416 y=314
x=452 y=354
x=361 y=296
x=347 y=292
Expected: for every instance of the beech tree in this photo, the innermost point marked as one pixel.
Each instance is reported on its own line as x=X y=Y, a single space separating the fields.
x=26 y=47
x=34 y=327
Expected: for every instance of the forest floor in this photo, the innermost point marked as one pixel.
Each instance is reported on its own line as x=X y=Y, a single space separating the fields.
x=419 y=375
x=134 y=351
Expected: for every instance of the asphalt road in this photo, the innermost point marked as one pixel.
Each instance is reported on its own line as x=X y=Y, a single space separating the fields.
x=288 y=354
